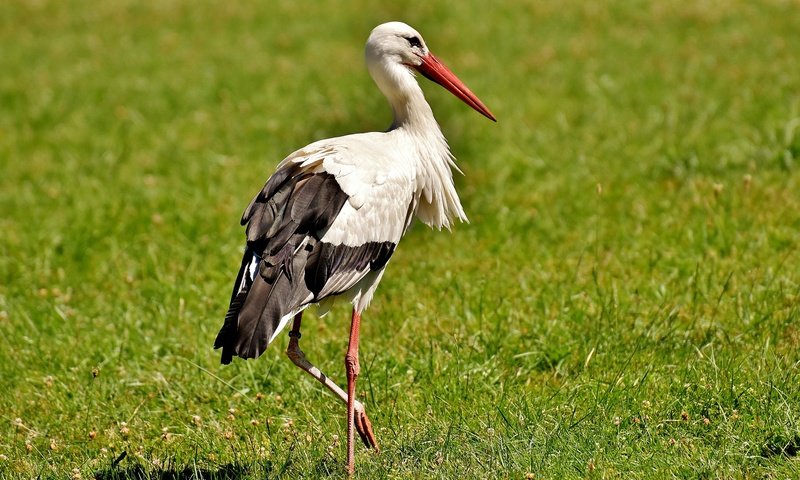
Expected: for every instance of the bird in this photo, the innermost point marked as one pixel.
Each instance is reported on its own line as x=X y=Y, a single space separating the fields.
x=327 y=221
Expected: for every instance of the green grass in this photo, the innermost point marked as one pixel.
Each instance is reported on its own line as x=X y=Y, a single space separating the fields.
x=625 y=302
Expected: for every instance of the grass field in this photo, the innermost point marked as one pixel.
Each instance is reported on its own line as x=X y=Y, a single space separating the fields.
x=625 y=302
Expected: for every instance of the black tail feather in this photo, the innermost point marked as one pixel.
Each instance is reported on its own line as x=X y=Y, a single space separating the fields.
x=226 y=338
x=258 y=304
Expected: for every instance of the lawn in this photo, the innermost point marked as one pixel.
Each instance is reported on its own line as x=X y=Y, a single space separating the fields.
x=624 y=303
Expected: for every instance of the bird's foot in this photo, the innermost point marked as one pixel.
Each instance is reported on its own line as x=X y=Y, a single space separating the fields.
x=364 y=427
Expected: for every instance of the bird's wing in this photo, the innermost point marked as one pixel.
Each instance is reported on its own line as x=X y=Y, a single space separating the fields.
x=283 y=222
x=318 y=227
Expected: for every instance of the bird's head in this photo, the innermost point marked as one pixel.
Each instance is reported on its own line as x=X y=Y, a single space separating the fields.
x=395 y=44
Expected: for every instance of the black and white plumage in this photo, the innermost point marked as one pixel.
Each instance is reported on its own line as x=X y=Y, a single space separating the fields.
x=328 y=220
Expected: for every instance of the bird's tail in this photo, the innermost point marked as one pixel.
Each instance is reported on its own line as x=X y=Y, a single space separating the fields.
x=260 y=307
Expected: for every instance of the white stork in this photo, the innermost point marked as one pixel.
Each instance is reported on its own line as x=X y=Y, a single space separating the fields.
x=327 y=221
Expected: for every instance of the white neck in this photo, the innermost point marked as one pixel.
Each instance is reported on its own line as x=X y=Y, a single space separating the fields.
x=398 y=84
x=438 y=200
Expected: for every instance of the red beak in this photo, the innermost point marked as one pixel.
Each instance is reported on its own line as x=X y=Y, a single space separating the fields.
x=435 y=70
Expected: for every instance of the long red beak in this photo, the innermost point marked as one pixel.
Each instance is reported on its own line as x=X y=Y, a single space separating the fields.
x=435 y=70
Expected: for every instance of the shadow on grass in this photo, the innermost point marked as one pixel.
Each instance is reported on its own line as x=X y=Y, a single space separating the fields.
x=138 y=472
x=778 y=445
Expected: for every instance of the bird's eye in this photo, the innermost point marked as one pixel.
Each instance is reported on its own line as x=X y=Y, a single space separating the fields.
x=414 y=42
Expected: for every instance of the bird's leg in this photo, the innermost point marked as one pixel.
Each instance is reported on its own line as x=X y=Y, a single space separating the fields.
x=363 y=425
x=353 y=369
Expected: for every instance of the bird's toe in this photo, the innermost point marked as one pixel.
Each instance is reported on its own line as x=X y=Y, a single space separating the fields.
x=364 y=429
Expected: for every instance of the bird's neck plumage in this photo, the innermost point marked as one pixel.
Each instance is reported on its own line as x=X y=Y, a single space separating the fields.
x=438 y=204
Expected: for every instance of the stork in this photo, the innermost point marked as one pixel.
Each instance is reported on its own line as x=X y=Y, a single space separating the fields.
x=329 y=218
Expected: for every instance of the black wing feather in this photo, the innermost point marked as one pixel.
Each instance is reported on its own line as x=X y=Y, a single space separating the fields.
x=292 y=210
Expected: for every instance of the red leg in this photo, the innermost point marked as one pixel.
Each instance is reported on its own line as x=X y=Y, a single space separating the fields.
x=363 y=425
x=353 y=369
